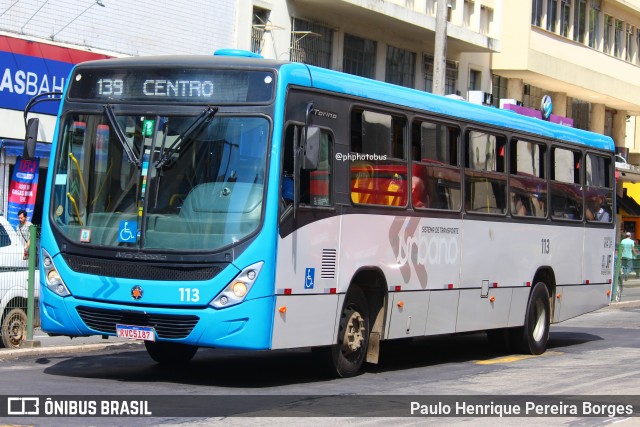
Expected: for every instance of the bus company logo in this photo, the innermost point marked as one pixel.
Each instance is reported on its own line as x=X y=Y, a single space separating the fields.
x=137 y=292
x=416 y=247
x=23 y=406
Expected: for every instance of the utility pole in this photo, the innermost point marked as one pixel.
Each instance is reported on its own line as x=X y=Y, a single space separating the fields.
x=440 y=52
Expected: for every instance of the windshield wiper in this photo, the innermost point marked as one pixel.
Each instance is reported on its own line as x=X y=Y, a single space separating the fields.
x=121 y=136
x=204 y=118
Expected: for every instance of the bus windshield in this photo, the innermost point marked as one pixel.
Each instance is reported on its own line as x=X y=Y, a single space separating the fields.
x=177 y=183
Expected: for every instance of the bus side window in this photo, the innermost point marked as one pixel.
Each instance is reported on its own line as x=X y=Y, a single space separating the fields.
x=379 y=173
x=566 y=190
x=315 y=186
x=436 y=179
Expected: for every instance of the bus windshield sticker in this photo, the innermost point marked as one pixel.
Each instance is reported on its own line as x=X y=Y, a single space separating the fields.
x=309 y=278
x=127 y=231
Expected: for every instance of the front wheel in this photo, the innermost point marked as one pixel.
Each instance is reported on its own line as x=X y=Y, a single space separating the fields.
x=353 y=335
x=14 y=328
x=170 y=352
x=533 y=336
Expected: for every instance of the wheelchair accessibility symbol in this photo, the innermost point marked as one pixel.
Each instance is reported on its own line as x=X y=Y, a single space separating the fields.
x=127 y=231
x=309 y=278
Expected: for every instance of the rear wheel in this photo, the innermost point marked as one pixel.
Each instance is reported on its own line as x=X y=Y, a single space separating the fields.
x=14 y=328
x=170 y=352
x=533 y=336
x=353 y=335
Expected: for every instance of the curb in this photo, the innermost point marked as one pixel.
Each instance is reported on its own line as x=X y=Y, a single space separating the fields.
x=61 y=349
x=622 y=305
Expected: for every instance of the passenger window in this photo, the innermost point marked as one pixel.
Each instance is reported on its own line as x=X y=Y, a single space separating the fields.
x=599 y=190
x=528 y=185
x=378 y=162
x=315 y=186
x=436 y=177
x=566 y=191
x=485 y=175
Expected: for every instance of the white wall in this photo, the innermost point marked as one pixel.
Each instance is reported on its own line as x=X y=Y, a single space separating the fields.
x=140 y=27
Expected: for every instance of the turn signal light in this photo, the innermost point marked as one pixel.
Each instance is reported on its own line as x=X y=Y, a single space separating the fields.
x=283 y=309
x=608 y=293
x=492 y=299
x=400 y=304
x=559 y=296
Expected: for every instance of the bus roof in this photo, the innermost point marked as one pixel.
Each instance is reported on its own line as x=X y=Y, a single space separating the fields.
x=376 y=90
x=347 y=84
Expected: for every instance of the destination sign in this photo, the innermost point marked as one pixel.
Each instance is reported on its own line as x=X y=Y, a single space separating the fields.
x=172 y=85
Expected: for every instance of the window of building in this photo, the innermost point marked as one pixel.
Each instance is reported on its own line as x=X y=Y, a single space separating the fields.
x=565 y=17
x=475 y=80
x=485 y=177
x=259 y=23
x=435 y=181
x=451 y=75
x=486 y=20
x=379 y=174
x=566 y=191
x=532 y=96
x=311 y=43
x=528 y=183
x=630 y=50
x=580 y=114
x=618 y=47
x=608 y=34
x=536 y=12
x=579 y=20
x=400 y=67
x=594 y=22
x=498 y=89
x=468 y=12
x=552 y=15
x=359 y=56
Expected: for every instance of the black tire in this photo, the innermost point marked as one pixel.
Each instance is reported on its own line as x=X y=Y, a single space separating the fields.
x=14 y=328
x=533 y=336
x=170 y=352
x=353 y=335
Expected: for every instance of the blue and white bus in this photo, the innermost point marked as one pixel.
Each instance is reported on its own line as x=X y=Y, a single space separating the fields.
x=236 y=202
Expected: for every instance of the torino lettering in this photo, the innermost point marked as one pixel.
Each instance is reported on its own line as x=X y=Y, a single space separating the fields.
x=178 y=88
x=432 y=250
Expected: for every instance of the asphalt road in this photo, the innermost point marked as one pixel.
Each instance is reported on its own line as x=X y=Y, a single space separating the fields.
x=595 y=354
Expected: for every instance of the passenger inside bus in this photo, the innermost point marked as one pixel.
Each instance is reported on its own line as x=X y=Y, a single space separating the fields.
x=418 y=196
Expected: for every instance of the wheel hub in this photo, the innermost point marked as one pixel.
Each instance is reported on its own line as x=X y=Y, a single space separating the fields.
x=353 y=332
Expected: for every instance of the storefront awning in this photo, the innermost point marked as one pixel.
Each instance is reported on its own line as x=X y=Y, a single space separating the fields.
x=15 y=147
x=628 y=205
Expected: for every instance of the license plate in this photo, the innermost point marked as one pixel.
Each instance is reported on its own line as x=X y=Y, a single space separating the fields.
x=145 y=333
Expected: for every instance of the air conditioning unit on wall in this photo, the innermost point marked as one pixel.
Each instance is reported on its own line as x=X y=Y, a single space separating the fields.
x=480 y=97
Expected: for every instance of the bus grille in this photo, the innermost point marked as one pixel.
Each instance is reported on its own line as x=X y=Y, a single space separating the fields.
x=140 y=270
x=166 y=325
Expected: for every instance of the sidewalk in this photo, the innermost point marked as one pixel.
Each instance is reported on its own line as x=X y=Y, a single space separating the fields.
x=42 y=345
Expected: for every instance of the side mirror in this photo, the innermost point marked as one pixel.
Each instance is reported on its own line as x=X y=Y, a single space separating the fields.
x=311 y=148
x=30 y=139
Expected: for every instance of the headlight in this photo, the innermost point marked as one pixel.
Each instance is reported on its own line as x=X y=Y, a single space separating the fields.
x=236 y=291
x=52 y=277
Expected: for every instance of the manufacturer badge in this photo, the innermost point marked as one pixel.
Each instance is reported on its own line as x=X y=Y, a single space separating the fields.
x=136 y=292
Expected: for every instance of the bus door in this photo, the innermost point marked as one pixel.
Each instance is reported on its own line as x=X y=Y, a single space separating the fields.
x=309 y=232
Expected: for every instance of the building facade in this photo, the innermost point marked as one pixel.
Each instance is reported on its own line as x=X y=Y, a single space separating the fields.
x=585 y=54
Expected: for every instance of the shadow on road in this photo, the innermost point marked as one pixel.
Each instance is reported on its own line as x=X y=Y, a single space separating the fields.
x=263 y=369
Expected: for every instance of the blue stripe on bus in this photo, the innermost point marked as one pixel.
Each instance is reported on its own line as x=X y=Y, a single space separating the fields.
x=379 y=91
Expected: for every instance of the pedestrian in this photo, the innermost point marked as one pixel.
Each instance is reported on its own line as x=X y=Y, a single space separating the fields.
x=628 y=250
x=23 y=231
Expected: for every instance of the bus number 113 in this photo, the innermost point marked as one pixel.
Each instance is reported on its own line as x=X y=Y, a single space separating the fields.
x=189 y=294
x=545 y=246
